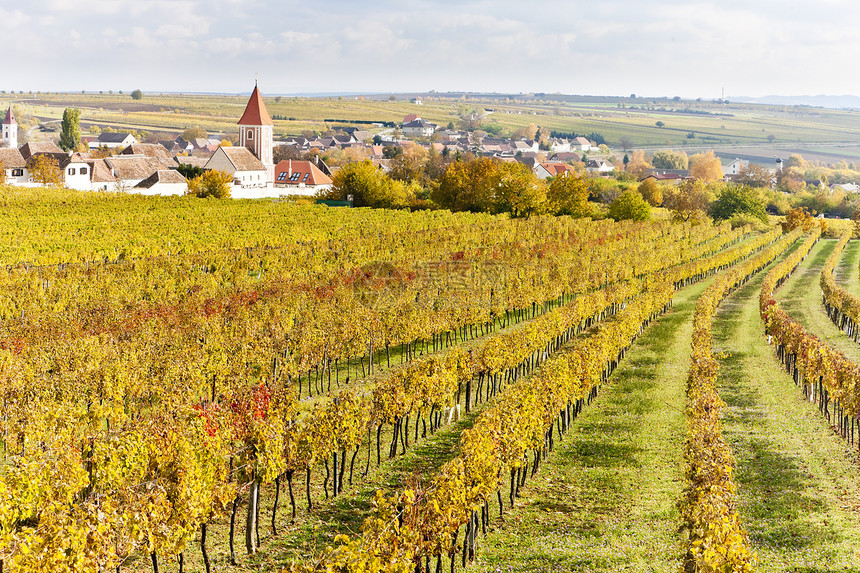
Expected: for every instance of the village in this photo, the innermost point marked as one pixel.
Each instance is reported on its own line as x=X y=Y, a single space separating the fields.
x=118 y=162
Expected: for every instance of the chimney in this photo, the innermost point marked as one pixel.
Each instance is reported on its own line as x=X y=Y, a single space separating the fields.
x=290 y=169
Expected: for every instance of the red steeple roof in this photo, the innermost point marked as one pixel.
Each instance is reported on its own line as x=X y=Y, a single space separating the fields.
x=256 y=112
x=10 y=119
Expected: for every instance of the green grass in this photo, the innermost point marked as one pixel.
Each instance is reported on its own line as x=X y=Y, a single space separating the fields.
x=800 y=297
x=798 y=482
x=847 y=273
x=604 y=500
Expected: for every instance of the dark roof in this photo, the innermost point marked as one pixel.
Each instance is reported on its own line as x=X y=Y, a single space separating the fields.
x=256 y=112
x=112 y=137
x=419 y=123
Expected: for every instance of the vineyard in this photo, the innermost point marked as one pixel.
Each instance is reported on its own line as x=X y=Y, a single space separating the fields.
x=203 y=386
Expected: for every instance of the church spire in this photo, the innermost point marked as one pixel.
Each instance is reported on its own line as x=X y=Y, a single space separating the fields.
x=256 y=112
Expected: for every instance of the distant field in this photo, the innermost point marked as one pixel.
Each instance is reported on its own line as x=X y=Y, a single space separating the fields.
x=772 y=130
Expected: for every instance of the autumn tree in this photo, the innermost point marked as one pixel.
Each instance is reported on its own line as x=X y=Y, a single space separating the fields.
x=666 y=159
x=630 y=205
x=638 y=165
x=568 y=195
x=70 y=129
x=369 y=186
x=753 y=176
x=799 y=217
x=468 y=185
x=706 y=166
x=520 y=192
x=651 y=192
x=195 y=132
x=408 y=165
x=688 y=201
x=45 y=170
x=211 y=183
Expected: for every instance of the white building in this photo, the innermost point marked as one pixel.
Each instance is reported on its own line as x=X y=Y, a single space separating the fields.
x=10 y=130
x=248 y=172
x=13 y=164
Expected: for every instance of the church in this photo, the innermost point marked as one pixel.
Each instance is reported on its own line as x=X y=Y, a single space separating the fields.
x=250 y=163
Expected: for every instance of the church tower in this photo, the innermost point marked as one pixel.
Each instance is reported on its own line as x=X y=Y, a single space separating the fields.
x=10 y=130
x=255 y=131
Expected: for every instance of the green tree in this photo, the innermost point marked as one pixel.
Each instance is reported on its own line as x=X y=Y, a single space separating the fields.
x=211 y=184
x=520 y=192
x=568 y=195
x=630 y=205
x=70 y=134
x=665 y=159
x=137 y=94
x=736 y=199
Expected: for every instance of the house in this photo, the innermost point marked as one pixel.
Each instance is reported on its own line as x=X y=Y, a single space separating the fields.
x=248 y=172
x=300 y=177
x=129 y=170
x=13 y=165
x=76 y=172
x=30 y=149
x=418 y=128
x=599 y=165
x=526 y=146
x=734 y=167
x=547 y=170
x=559 y=145
x=847 y=187
x=111 y=140
x=410 y=118
x=163 y=182
x=580 y=144
x=102 y=178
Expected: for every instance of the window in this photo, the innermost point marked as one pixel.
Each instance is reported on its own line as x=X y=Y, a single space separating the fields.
x=17 y=173
x=282 y=175
x=71 y=170
x=295 y=176
x=250 y=134
x=305 y=178
x=83 y=170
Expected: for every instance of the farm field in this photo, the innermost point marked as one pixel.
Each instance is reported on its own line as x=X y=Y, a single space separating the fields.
x=242 y=386
x=739 y=129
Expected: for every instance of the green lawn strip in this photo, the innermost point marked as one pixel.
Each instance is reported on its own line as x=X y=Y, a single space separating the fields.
x=798 y=482
x=800 y=297
x=604 y=500
x=847 y=273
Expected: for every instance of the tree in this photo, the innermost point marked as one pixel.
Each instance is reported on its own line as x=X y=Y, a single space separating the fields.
x=568 y=195
x=408 y=165
x=369 y=186
x=630 y=205
x=753 y=176
x=377 y=139
x=660 y=124
x=626 y=143
x=638 y=165
x=137 y=94
x=651 y=192
x=738 y=199
x=70 y=134
x=520 y=192
x=689 y=201
x=211 y=184
x=195 y=132
x=45 y=170
x=799 y=217
x=665 y=159
x=706 y=166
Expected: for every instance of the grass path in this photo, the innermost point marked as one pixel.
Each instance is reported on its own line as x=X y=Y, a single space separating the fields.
x=846 y=272
x=800 y=296
x=798 y=482
x=604 y=500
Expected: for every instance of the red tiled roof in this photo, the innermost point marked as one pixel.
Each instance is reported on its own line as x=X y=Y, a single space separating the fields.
x=555 y=169
x=10 y=119
x=256 y=112
x=308 y=173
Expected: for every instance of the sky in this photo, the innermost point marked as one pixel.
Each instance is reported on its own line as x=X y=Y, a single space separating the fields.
x=603 y=47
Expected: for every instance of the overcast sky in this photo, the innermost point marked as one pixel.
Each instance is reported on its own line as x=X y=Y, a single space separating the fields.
x=600 y=47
